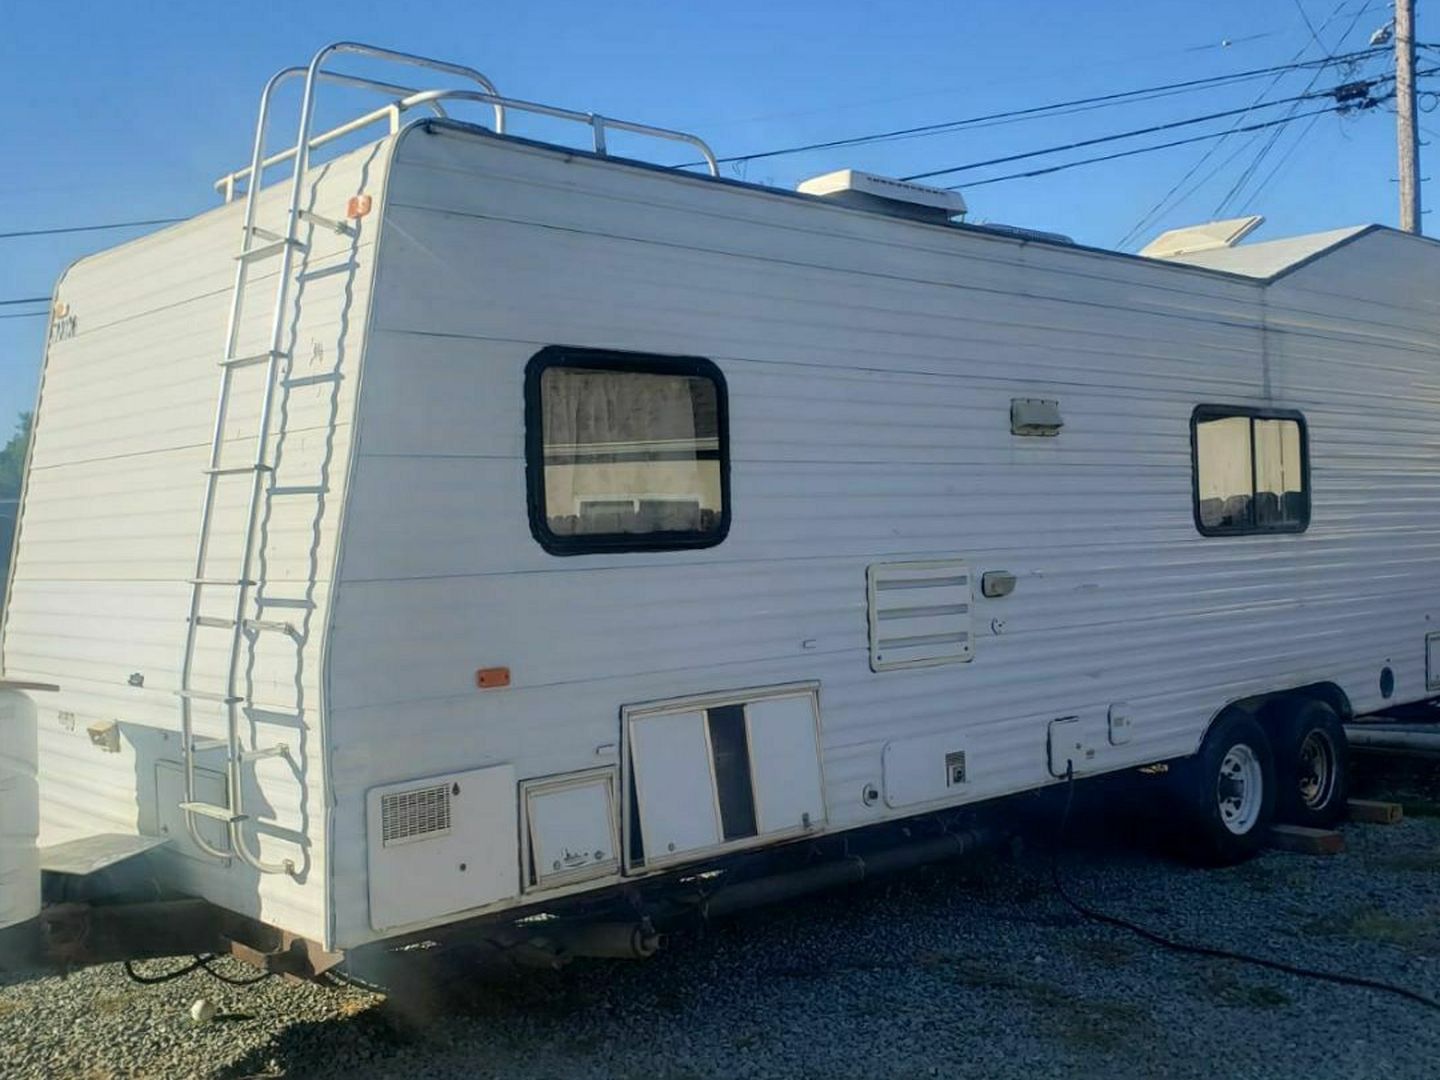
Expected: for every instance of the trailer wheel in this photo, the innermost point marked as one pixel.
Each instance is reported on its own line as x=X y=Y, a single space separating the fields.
x=1227 y=791
x=1312 y=765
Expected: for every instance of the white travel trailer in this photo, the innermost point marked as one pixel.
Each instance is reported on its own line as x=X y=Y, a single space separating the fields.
x=508 y=523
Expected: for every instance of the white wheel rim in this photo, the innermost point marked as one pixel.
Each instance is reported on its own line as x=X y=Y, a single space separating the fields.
x=1240 y=789
x=1317 y=770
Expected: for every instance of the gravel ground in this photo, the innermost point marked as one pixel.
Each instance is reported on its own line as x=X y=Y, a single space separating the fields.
x=957 y=970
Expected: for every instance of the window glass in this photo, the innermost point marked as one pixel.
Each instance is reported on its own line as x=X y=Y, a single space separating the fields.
x=1222 y=449
x=629 y=454
x=1279 y=481
x=1250 y=471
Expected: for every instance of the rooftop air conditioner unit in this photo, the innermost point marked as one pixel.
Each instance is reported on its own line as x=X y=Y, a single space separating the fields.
x=880 y=193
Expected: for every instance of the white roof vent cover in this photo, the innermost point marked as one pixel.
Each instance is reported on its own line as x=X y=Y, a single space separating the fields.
x=1208 y=236
x=862 y=188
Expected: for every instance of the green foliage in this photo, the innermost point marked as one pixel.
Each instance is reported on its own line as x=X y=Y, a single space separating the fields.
x=12 y=475
x=12 y=464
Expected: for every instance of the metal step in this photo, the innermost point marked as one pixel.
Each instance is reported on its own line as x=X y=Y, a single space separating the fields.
x=221 y=581
x=270 y=625
x=340 y=227
x=310 y=380
x=299 y=489
x=298 y=603
x=218 y=813
x=238 y=470
x=200 y=744
x=209 y=695
x=273 y=716
x=252 y=358
x=267 y=251
x=216 y=622
x=278 y=750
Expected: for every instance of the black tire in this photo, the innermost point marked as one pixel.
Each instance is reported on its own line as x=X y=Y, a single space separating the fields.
x=1226 y=823
x=1312 y=764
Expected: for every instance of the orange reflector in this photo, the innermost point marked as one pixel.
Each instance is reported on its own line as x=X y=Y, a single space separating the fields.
x=357 y=207
x=490 y=678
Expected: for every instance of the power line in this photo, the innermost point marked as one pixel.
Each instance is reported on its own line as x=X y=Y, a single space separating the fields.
x=825 y=110
x=26 y=300
x=1157 y=146
x=26 y=315
x=1153 y=128
x=88 y=228
x=1310 y=26
x=1164 y=205
x=1249 y=172
x=1010 y=114
x=1284 y=158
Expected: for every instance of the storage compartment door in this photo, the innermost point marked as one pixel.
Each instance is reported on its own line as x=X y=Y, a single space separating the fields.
x=785 y=763
x=570 y=822
x=674 y=784
x=722 y=772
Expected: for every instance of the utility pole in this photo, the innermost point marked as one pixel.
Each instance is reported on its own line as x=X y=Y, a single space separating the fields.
x=1406 y=139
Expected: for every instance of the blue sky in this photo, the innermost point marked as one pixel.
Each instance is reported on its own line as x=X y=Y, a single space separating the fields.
x=128 y=110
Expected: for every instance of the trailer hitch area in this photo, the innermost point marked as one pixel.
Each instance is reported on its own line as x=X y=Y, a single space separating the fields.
x=71 y=935
x=298 y=959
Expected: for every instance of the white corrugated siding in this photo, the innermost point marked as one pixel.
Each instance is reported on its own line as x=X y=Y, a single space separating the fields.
x=870 y=365
x=111 y=517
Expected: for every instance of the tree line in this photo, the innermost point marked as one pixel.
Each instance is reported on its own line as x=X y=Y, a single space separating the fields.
x=12 y=476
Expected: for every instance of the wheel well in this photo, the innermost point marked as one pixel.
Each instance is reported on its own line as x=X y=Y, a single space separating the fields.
x=1267 y=708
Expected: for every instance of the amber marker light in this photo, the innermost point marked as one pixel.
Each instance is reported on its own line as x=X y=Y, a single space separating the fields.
x=492 y=678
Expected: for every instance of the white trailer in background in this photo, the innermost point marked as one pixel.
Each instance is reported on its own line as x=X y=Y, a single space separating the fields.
x=509 y=523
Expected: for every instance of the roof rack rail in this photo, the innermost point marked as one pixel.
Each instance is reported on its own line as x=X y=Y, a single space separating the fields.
x=405 y=98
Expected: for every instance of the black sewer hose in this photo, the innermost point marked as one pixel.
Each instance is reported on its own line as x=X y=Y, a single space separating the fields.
x=1208 y=951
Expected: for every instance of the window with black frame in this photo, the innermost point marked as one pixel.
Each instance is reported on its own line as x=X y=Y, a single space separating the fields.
x=625 y=451
x=1251 y=470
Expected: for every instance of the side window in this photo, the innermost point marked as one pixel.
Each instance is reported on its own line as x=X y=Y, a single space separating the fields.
x=625 y=451
x=1251 y=470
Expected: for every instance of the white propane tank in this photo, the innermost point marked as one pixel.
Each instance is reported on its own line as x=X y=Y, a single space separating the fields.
x=19 y=811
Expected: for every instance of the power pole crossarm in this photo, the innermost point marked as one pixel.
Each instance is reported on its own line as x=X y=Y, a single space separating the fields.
x=1405 y=122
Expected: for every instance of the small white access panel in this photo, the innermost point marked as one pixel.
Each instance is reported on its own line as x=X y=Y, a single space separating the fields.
x=674 y=784
x=440 y=845
x=570 y=823
x=925 y=769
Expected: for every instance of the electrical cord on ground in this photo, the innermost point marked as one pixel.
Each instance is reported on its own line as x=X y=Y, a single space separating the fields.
x=169 y=976
x=231 y=980
x=1209 y=951
x=200 y=963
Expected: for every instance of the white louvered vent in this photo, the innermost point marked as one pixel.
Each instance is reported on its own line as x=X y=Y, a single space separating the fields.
x=417 y=814
x=919 y=614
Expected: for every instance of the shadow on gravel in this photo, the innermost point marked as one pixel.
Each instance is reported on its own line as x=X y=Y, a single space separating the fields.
x=796 y=949
x=912 y=974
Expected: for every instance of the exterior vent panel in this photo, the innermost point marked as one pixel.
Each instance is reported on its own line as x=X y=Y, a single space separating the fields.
x=415 y=815
x=919 y=614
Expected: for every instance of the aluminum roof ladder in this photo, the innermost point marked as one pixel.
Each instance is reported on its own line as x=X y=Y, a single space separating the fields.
x=259 y=248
